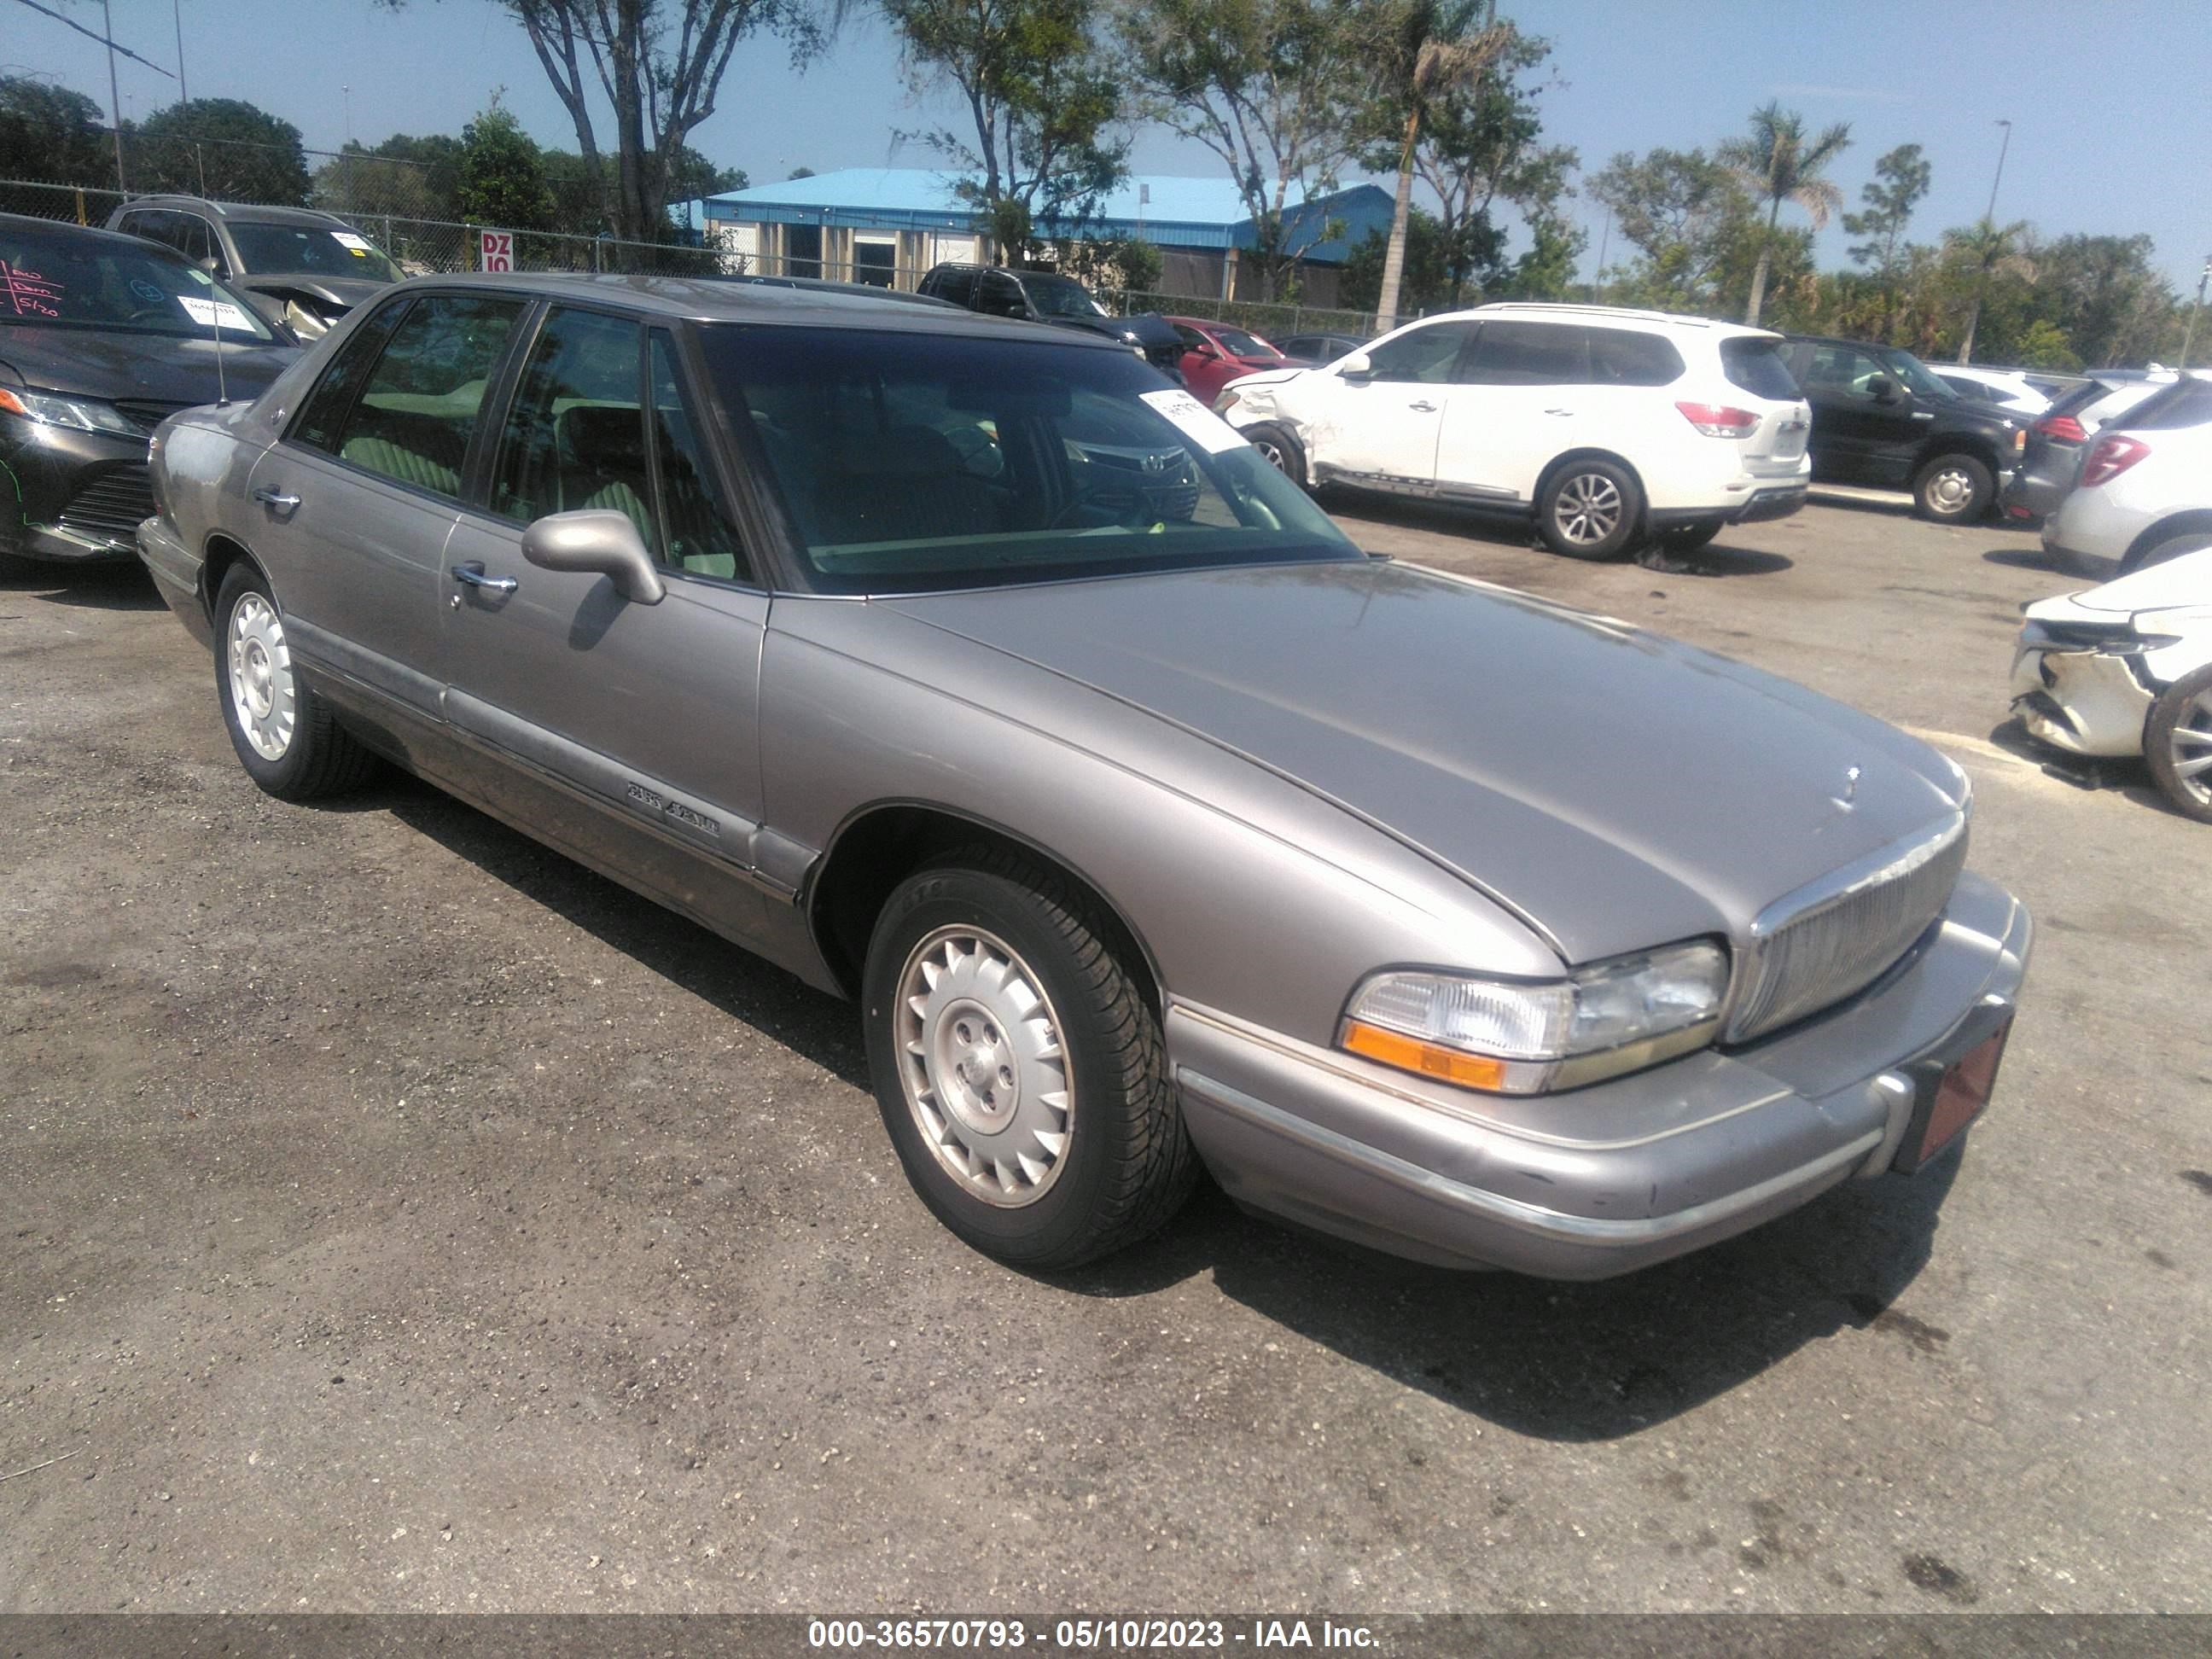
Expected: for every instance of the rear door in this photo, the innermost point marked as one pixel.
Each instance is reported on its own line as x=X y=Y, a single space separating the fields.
x=1387 y=426
x=646 y=712
x=1524 y=395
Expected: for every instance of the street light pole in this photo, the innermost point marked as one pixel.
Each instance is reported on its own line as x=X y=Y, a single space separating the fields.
x=2190 y=332
x=176 y=10
x=1991 y=216
x=114 y=98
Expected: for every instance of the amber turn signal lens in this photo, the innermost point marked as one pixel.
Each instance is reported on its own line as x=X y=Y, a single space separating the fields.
x=1428 y=1059
x=10 y=403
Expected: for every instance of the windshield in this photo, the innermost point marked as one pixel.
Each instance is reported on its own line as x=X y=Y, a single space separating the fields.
x=1915 y=376
x=1059 y=296
x=57 y=277
x=310 y=248
x=915 y=462
x=1237 y=344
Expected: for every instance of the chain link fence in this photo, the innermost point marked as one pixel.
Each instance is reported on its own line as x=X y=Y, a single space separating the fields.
x=1266 y=318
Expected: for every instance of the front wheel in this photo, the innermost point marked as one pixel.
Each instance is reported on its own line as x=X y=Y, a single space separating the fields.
x=1954 y=489
x=285 y=737
x=1280 y=448
x=1019 y=1070
x=1591 y=510
x=2177 y=744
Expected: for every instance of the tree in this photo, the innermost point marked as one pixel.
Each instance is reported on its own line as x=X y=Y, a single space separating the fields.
x=1902 y=177
x=1040 y=101
x=503 y=180
x=1425 y=51
x=1779 y=164
x=1983 y=249
x=1684 y=212
x=2113 y=306
x=221 y=148
x=47 y=131
x=1424 y=269
x=407 y=177
x=1269 y=86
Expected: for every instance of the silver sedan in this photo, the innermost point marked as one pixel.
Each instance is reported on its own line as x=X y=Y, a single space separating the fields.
x=973 y=672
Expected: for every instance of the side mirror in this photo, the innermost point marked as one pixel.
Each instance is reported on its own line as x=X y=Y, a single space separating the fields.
x=1355 y=367
x=595 y=540
x=1882 y=389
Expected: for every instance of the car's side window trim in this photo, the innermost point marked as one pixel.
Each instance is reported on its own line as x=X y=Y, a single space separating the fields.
x=486 y=444
x=397 y=310
x=736 y=455
x=755 y=581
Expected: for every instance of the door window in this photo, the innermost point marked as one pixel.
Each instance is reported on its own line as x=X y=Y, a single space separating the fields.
x=418 y=406
x=1527 y=353
x=701 y=536
x=1000 y=296
x=1622 y=357
x=957 y=286
x=1425 y=355
x=197 y=242
x=322 y=417
x=574 y=439
x=1842 y=368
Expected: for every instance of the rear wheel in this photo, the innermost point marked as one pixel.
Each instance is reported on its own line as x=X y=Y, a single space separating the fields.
x=1954 y=489
x=1019 y=1070
x=2177 y=744
x=2171 y=548
x=285 y=734
x=1590 y=509
x=1280 y=448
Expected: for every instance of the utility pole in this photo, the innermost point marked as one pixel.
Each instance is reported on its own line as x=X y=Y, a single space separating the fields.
x=114 y=97
x=2188 y=334
x=176 y=10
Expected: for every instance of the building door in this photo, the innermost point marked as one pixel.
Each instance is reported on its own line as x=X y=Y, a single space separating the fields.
x=802 y=250
x=875 y=259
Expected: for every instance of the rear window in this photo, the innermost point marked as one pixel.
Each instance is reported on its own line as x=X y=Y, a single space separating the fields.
x=2185 y=402
x=2074 y=400
x=1620 y=356
x=1756 y=365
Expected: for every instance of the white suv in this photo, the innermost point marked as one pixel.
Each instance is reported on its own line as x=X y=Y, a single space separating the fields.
x=2145 y=494
x=1608 y=427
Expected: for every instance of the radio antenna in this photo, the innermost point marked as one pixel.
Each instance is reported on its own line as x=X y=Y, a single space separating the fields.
x=221 y=391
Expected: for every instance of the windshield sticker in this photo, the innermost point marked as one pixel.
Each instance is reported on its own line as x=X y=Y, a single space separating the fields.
x=150 y=293
x=346 y=238
x=1195 y=420
x=215 y=314
x=32 y=294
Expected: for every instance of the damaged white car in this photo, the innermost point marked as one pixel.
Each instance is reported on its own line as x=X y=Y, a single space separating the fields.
x=2124 y=670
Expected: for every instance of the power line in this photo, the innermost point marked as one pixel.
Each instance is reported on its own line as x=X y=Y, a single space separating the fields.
x=95 y=34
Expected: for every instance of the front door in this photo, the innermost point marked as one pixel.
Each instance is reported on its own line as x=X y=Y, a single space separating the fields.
x=1386 y=426
x=643 y=714
x=1866 y=427
x=1524 y=393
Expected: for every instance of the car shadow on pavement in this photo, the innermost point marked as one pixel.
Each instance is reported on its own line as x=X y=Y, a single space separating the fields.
x=94 y=588
x=730 y=978
x=1572 y=1362
x=1725 y=556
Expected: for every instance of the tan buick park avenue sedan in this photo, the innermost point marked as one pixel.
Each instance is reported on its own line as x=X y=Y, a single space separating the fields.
x=970 y=670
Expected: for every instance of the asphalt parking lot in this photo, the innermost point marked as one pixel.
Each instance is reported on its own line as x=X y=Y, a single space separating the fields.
x=400 y=1217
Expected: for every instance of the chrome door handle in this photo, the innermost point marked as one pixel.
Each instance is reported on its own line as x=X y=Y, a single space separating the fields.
x=1923 y=414
x=283 y=503
x=1424 y=406
x=473 y=576
x=1558 y=411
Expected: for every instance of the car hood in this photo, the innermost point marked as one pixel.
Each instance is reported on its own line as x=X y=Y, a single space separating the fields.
x=152 y=367
x=2183 y=583
x=343 y=292
x=1613 y=788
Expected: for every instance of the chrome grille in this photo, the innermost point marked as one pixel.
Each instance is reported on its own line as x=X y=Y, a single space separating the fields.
x=109 y=508
x=1834 y=937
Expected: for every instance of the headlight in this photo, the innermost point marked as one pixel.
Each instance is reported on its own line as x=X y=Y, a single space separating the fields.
x=1525 y=1037
x=58 y=408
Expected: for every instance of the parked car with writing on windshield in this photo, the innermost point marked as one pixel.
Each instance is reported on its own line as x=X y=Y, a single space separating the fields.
x=1881 y=418
x=309 y=268
x=2145 y=494
x=1608 y=427
x=2125 y=670
x=1215 y=354
x=1143 y=828
x=1045 y=296
x=2051 y=463
x=101 y=338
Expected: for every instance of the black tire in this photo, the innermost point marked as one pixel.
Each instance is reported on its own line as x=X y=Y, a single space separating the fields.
x=2194 y=541
x=1954 y=489
x=320 y=757
x=2184 y=706
x=1127 y=1164
x=1591 y=509
x=1282 y=449
x=1688 y=538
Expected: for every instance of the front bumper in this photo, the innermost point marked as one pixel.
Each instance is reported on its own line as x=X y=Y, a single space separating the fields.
x=76 y=496
x=2085 y=701
x=1607 y=1179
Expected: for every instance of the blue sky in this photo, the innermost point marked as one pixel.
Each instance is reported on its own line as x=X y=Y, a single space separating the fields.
x=2120 y=150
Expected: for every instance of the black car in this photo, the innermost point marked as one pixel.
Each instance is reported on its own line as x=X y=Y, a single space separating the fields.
x=103 y=337
x=1044 y=296
x=1881 y=418
x=1319 y=347
x=309 y=268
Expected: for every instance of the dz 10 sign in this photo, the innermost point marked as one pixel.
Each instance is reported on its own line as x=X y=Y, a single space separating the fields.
x=497 y=251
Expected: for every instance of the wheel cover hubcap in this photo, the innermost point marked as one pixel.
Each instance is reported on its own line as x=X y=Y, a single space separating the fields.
x=1588 y=509
x=262 y=694
x=1949 y=490
x=981 y=1066
x=2191 y=746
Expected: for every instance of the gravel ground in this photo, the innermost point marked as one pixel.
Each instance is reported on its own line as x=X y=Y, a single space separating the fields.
x=398 y=1216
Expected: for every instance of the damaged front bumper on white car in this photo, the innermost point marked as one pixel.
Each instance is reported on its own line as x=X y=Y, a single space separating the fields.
x=2090 y=665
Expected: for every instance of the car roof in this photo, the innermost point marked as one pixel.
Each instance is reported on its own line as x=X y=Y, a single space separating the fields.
x=243 y=212
x=708 y=301
x=135 y=244
x=1563 y=308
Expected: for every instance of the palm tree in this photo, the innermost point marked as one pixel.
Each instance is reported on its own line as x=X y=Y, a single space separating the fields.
x=1985 y=249
x=1427 y=51
x=1780 y=165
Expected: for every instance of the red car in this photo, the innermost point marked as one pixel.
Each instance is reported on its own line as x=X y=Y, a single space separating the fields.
x=1215 y=354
